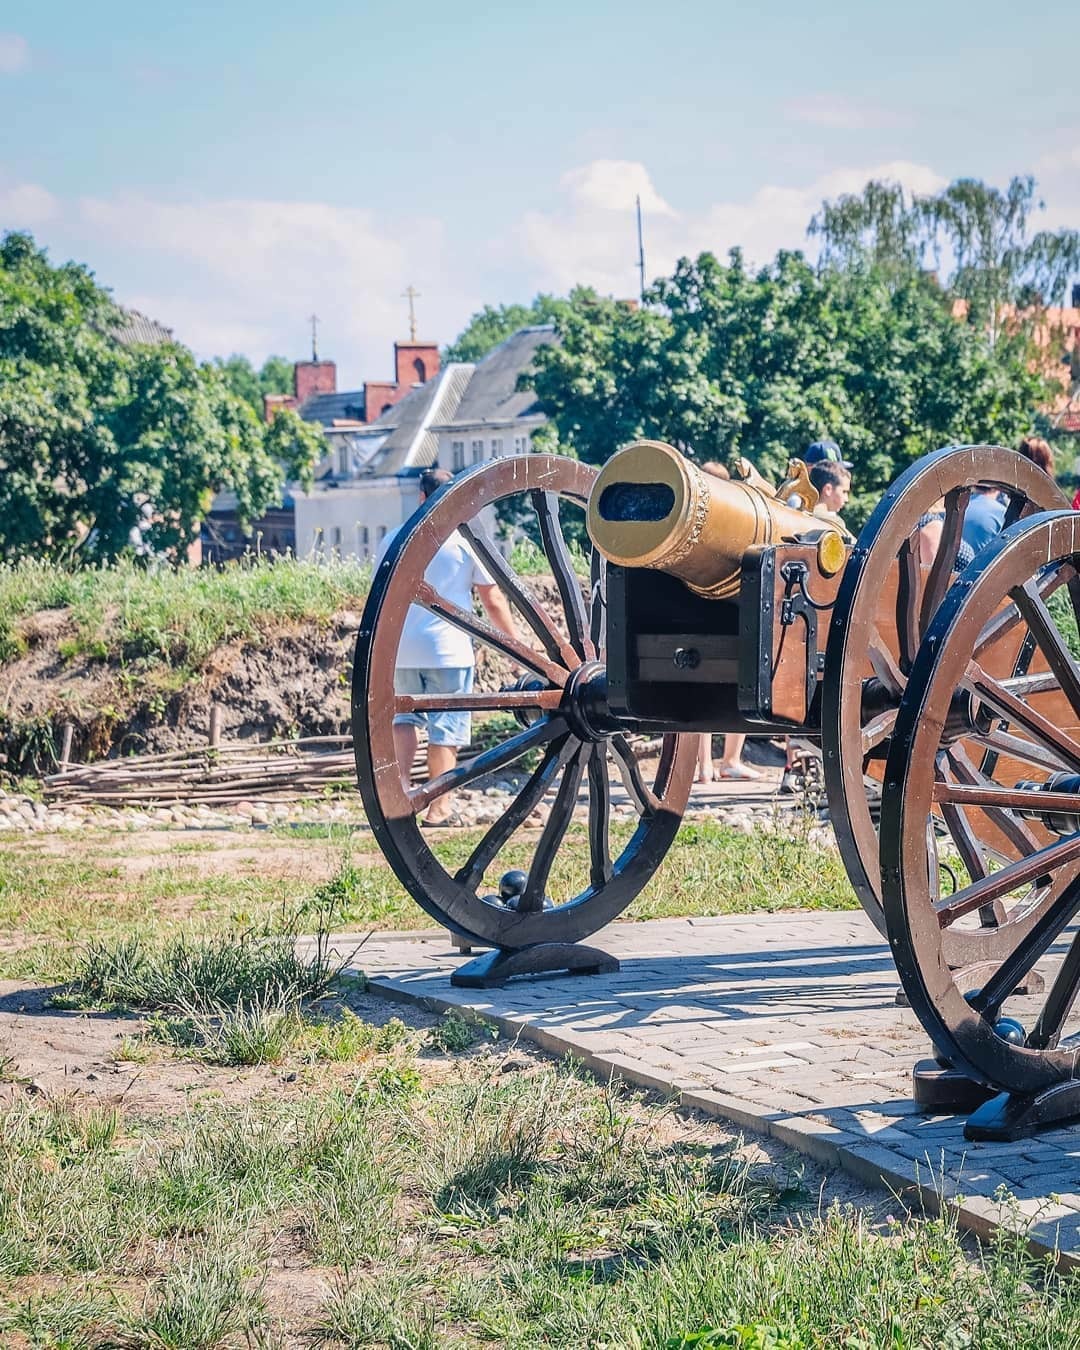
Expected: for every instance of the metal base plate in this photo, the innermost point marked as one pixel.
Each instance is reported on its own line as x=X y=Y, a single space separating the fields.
x=942 y=1090
x=1008 y=1116
x=494 y=968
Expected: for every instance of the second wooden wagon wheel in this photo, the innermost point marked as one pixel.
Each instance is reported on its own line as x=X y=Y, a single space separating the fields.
x=1027 y=579
x=884 y=606
x=557 y=719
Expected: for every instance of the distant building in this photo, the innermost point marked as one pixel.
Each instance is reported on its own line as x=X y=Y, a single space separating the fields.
x=469 y=414
x=316 y=398
x=137 y=330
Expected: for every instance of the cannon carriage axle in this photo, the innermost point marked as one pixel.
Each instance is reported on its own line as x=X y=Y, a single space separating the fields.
x=948 y=696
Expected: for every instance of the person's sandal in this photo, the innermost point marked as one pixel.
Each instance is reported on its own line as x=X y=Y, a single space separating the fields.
x=742 y=772
x=451 y=822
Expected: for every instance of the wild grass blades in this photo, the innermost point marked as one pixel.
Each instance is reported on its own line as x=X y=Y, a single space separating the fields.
x=202 y=974
x=128 y=612
x=511 y=1209
x=201 y=1304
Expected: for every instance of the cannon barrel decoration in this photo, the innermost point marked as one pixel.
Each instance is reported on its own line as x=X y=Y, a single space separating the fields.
x=942 y=692
x=651 y=507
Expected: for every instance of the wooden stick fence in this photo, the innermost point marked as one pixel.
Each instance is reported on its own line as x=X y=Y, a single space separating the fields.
x=221 y=775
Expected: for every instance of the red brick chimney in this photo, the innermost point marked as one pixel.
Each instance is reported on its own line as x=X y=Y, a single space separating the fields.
x=414 y=363
x=314 y=377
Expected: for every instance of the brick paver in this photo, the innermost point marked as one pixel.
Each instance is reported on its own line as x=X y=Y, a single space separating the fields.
x=786 y=1024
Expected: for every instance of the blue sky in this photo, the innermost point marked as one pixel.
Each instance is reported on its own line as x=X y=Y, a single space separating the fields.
x=231 y=167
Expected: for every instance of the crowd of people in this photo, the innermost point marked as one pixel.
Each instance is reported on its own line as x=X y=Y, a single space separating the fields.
x=436 y=658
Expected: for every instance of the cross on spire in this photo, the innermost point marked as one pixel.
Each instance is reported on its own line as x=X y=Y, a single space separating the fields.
x=410 y=293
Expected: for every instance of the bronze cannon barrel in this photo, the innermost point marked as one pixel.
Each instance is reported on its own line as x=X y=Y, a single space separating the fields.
x=652 y=507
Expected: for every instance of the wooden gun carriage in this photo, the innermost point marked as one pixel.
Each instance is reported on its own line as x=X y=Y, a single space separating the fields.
x=945 y=701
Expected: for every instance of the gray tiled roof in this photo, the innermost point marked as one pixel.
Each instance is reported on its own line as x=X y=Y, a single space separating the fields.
x=139 y=330
x=326 y=408
x=411 y=445
x=493 y=395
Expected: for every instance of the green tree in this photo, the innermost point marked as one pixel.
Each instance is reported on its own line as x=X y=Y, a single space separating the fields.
x=723 y=362
x=494 y=324
x=98 y=440
x=979 y=238
x=275 y=376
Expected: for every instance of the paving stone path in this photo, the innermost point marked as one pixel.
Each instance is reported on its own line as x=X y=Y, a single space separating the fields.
x=784 y=1024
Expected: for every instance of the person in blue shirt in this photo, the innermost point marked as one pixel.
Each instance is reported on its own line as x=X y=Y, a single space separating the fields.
x=983 y=518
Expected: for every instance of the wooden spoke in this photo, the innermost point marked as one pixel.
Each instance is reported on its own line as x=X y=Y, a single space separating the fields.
x=907 y=603
x=1016 y=747
x=547 y=700
x=1012 y=829
x=1009 y=878
x=485 y=632
x=547 y=729
x=1006 y=619
x=944 y=564
x=599 y=817
x=1047 y=1030
x=520 y=597
x=551 y=836
x=646 y=802
x=884 y=666
x=1031 y=947
x=546 y=505
x=1060 y=660
x=1010 y=799
x=878 y=729
x=1023 y=686
x=1007 y=705
x=540 y=780
x=970 y=847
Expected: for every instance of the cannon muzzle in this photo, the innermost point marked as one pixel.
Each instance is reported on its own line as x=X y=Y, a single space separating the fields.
x=651 y=507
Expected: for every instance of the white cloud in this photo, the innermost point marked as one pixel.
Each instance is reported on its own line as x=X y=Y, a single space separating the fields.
x=1057 y=173
x=245 y=275
x=583 y=241
x=25 y=206
x=14 y=53
x=614 y=185
x=838 y=112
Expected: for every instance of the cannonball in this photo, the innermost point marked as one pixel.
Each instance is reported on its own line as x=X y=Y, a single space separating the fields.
x=512 y=884
x=1009 y=1029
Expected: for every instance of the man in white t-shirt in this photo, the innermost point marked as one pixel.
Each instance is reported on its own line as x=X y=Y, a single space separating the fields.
x=436 y=657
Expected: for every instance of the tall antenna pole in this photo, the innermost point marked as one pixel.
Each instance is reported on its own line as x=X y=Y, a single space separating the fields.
x=411 y=294
x=314 y=321
x=641 y=248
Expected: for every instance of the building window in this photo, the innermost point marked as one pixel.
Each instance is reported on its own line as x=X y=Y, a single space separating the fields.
x=343 y=461
x=381 y=533
x=363 y=541
x=336 y=541
x=496 y=447
x=421 y=373
x=477 y=452
x=457 y=455
x=521 y=445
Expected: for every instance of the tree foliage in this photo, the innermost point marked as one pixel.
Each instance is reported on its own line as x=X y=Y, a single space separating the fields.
x=103 y=446
x=275 y=376
x=724 y=362
x=977 y=237
x=495 y=323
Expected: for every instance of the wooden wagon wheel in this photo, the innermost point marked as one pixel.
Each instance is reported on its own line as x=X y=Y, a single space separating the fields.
x=1028 y=578
x=562 y=720
x=883 y=608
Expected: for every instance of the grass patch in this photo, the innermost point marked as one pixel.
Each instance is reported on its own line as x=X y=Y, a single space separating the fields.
x=65 y=902
x=129 y=613
x=475 y=1207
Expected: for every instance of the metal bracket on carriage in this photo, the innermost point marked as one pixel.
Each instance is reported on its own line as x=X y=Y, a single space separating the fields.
x=494 y=968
